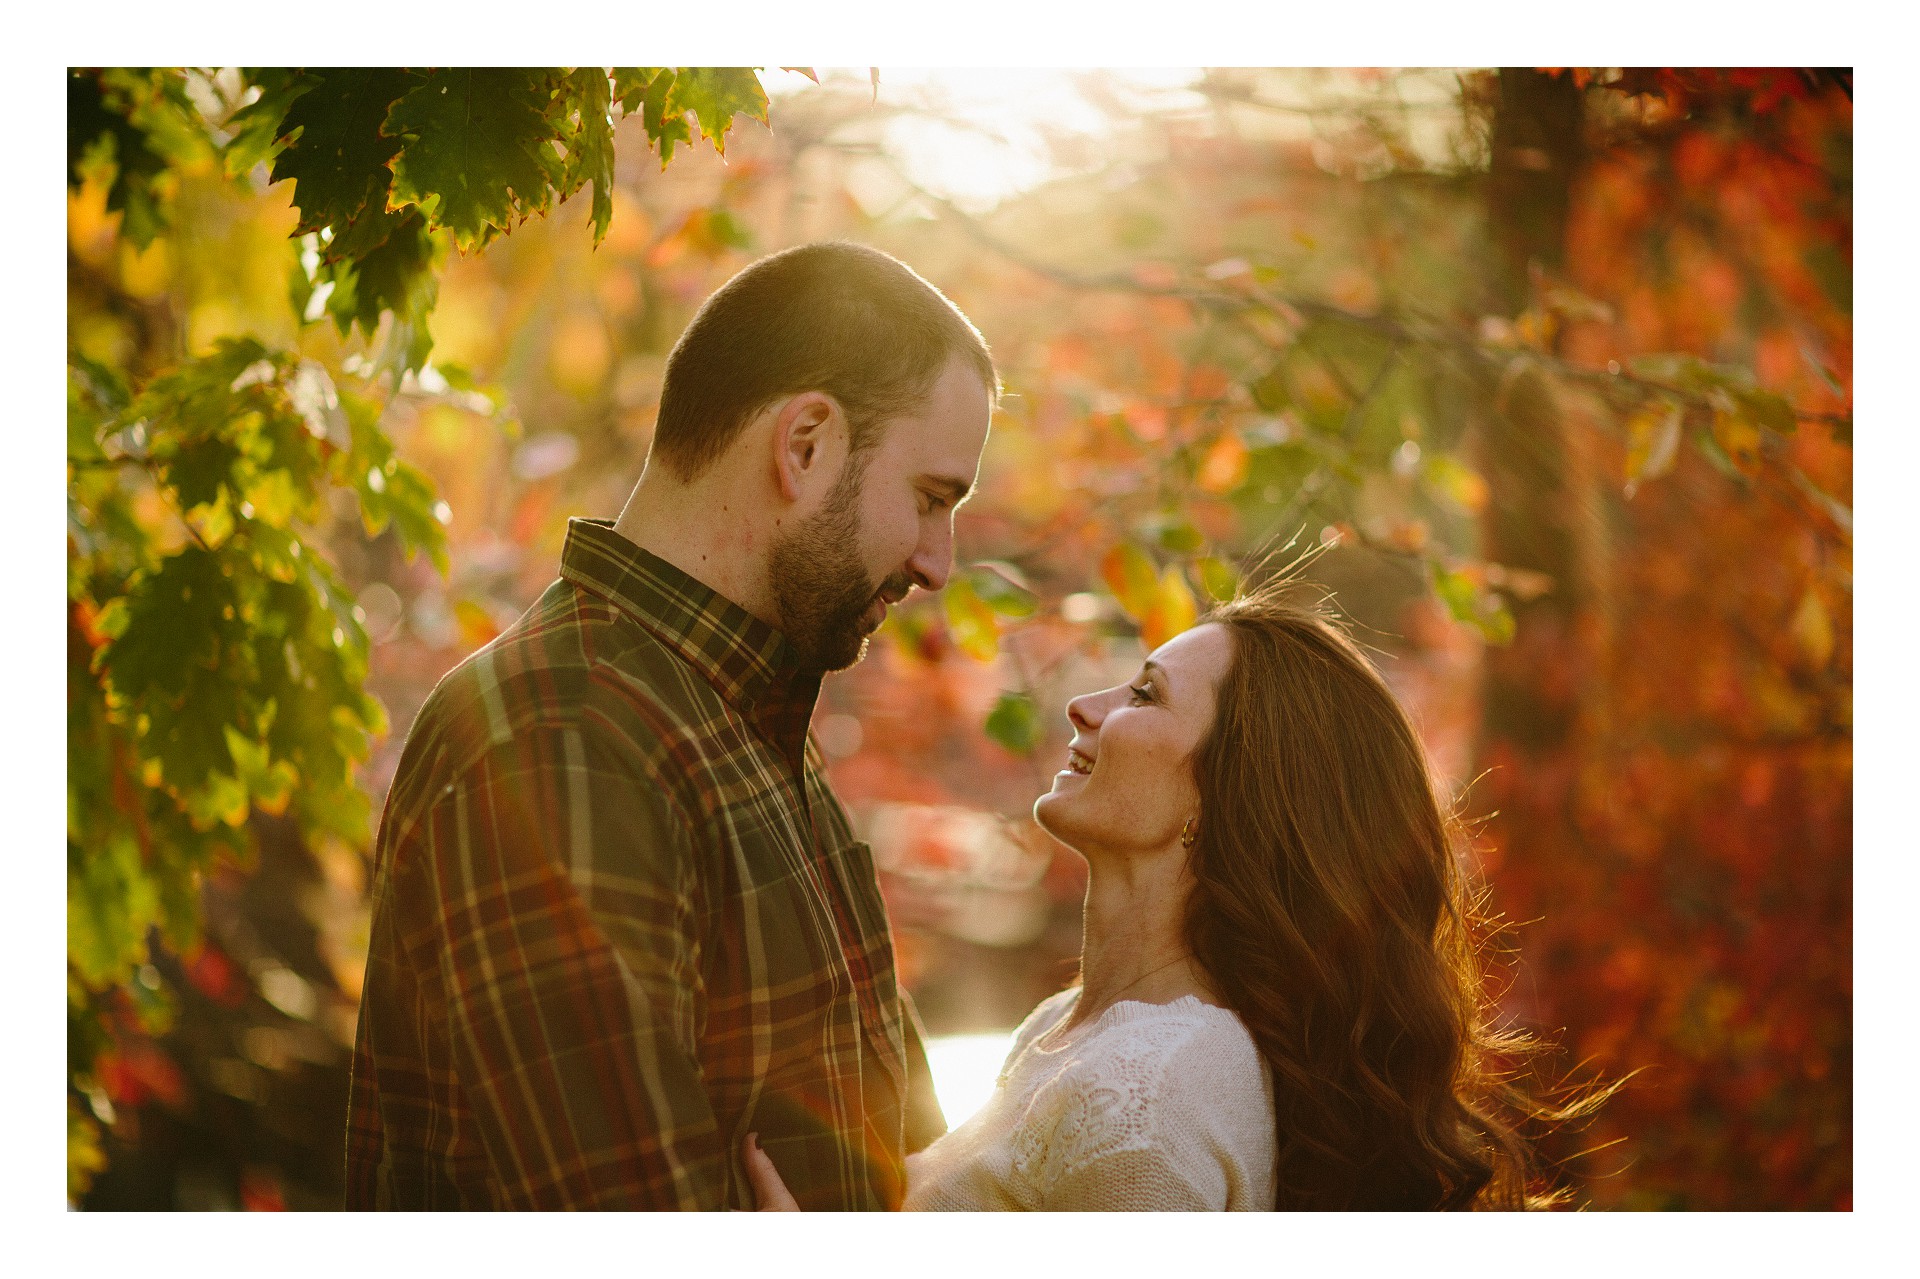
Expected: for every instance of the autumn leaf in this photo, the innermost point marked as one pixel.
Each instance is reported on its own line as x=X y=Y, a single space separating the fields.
x=1464 y=591
x=335 y=153
x=1130 y=575
x=1003 y=587
x=476 y=151
x=477 y=627
x=630 y=85
x=1217 y=577
x=1739 y=437
x=588 y=94
x=1653 y=437
x=1173 y=612
x=396 y=277
x=1014 y=723
x=1455 y=481
x=970 y=620
x=665 y=127
x=1175 y=533
x=99 y=125
x=715 y=95
x=1225 y=464
x=1812 y=630
x=255 y=133
x=1768 y=410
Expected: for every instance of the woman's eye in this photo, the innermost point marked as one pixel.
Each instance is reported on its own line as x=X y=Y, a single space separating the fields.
x=1141 y=692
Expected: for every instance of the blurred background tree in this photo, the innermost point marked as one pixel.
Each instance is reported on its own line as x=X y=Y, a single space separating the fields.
x=1553 y=367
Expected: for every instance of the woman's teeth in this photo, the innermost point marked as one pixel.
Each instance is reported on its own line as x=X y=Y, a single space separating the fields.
x=1078 y=763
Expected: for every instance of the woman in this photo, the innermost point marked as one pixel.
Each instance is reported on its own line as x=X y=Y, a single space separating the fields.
x=1279 y=1002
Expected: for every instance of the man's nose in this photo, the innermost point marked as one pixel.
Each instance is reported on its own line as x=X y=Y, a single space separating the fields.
x=932 y=561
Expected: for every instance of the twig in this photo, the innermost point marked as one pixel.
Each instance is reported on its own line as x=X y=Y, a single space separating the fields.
x=1397 y=330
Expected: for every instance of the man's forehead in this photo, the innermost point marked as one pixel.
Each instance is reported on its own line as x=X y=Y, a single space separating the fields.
x=945 y=439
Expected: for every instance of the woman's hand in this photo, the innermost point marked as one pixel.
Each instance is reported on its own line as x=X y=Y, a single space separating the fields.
x=768 y=1190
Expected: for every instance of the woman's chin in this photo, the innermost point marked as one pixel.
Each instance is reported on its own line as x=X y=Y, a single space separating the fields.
x=1047 y=808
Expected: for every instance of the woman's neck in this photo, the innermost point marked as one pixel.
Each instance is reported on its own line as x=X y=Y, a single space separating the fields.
x=1134 y=945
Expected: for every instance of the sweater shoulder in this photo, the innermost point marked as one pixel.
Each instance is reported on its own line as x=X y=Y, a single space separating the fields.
x=1178 y=1087
x=1048 y=1014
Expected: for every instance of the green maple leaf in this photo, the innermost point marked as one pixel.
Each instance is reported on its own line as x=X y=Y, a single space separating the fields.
x=111 y=903
x=590 y=149
x=1015 y=723
x=715 y=95
x=398 y=276
x=663 y=127
x=255 y=135
x=368 y=231
x=337 y=157
x=630 y=85
x=476 y=151
x=94 y=126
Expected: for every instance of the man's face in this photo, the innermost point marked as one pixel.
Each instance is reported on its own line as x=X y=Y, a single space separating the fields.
x=886 y=527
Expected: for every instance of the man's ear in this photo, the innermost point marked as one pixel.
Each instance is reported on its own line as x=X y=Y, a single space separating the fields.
x=809 y=443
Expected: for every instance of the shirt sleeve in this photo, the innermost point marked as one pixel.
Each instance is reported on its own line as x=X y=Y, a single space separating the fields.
x=926 y=1122
x=561 y=878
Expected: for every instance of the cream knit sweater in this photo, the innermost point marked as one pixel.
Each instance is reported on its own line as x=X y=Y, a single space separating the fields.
x=1146 y=1107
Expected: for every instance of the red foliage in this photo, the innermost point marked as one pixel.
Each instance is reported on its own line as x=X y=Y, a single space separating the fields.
x=1686 y=850
x=215 y=976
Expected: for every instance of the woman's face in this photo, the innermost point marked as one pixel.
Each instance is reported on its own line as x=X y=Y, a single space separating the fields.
x=1128 y=786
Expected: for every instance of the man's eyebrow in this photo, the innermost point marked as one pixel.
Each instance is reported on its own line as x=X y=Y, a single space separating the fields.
x=954 y=491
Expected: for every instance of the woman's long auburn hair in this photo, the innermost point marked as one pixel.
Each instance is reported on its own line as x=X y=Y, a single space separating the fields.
x=1330 y=914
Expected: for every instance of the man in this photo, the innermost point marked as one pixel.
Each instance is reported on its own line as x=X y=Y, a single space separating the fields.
x=619 y=919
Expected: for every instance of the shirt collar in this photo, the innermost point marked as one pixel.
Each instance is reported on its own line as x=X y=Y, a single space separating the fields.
x=748 y=662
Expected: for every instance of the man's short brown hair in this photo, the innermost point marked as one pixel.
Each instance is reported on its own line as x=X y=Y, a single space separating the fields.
x=841 y=318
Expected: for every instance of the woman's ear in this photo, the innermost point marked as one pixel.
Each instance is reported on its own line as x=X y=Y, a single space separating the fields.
x=809 y=443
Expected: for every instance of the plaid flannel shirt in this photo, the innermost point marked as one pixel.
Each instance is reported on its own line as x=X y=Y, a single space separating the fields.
x=620 y=920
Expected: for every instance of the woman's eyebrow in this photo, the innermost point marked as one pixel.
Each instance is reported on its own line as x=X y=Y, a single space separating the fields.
x=1161 y=671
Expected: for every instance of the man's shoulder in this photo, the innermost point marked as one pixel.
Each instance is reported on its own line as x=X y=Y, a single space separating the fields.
x=573 y=661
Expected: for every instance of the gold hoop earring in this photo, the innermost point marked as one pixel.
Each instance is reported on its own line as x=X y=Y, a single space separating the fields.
x=1188 y=834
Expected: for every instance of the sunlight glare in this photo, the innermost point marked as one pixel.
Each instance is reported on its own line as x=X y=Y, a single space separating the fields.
x=976 y=136
x=965 y=1068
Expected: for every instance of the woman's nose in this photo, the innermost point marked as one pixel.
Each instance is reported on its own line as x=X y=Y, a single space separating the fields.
x=1083 y=712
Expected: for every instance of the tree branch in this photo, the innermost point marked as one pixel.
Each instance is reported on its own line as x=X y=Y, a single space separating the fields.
x=1399 y=330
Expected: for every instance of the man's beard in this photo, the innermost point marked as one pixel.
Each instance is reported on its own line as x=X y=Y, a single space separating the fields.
x=819 y=585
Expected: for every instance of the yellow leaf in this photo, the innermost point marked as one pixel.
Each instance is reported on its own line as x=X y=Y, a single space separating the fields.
x=1225 y=465
x=1653 y=437
x=1465 y=487
x=1738 y=437
x=212 y=521
x=146 y=273
x=1812 y=630
x=222 y=799
x=1174 y=609
x=273 y=497
x=476 y=624
x=970 y=621
x=1129 y=574
x=1218 y=577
